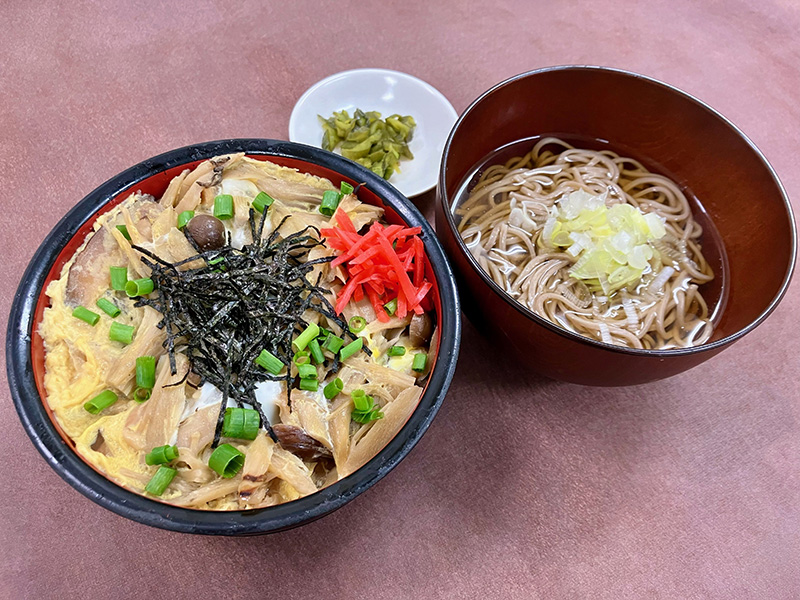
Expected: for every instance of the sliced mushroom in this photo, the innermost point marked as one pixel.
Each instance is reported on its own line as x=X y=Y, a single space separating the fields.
x=216 y=174
x=298 y=442
x=89 y=275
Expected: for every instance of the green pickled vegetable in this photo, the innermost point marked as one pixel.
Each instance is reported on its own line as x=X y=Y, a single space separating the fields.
x=374 y=143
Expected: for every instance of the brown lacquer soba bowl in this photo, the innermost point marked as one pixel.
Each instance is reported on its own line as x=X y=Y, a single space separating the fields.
x=754 y=245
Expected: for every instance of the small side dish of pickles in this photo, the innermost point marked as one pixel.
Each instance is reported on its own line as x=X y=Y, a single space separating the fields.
x=378 y=144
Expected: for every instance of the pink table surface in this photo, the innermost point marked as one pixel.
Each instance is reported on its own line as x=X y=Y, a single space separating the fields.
x=523 y=487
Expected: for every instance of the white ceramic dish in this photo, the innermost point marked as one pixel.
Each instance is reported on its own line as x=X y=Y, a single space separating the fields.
x=387 y=92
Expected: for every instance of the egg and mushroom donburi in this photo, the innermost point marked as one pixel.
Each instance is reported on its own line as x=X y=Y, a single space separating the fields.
x=249 y=338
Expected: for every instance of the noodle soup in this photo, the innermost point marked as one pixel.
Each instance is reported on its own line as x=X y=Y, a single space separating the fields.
x=596 y=242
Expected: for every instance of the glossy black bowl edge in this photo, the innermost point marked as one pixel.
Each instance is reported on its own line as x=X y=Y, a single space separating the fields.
x=91 y=484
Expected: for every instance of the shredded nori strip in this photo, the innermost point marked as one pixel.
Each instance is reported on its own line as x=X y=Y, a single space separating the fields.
x=224 y=313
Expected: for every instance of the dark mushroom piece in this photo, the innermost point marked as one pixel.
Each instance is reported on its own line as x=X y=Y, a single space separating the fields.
x=420 y=330
x=207 y=232
x=298 y=442
x=88 y=276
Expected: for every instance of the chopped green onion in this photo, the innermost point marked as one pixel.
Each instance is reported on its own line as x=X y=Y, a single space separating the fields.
x=396 y=351
x=216 y=261
x=223 y=207
x=333 y=343
x=108 y=307
x=316 y=352
x=310 y=385
x=346 y=188
x=261 y=201
x=351 y=349
x=102 y=401
x=307 y=371
x=241 y=423
x=161 y=454
x=121 y=333
x=364 y=409
x=420 y=360
x=366 y=417
x=252 y=423
x=139 y=287
x=301 y=341
x=86 y=315
x=330 y=202
x=361 y=402
x=146 y=371
x=119 y=277
x=184 y=218
x=226 y=461
x=303 y=357
x=142 y=394
x=160 y=481
x=323 y=333
x=357 y=323
x=233 y=422
x=124 y=231
x=270 y=362
x=333 y=388
x=391 y=306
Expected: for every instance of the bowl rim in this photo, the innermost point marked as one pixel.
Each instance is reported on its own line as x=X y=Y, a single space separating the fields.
x=710 y=347
x=75 y=471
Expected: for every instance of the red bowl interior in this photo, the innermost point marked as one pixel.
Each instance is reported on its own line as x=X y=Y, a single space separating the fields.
x=156 y=185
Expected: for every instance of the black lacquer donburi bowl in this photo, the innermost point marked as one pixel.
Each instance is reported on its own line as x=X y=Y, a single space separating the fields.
x=25 y=351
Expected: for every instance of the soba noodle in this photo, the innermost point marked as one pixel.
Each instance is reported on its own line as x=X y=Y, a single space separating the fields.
x=503 y=223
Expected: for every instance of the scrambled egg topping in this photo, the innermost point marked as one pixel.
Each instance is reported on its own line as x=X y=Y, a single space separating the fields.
x=81 y=361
